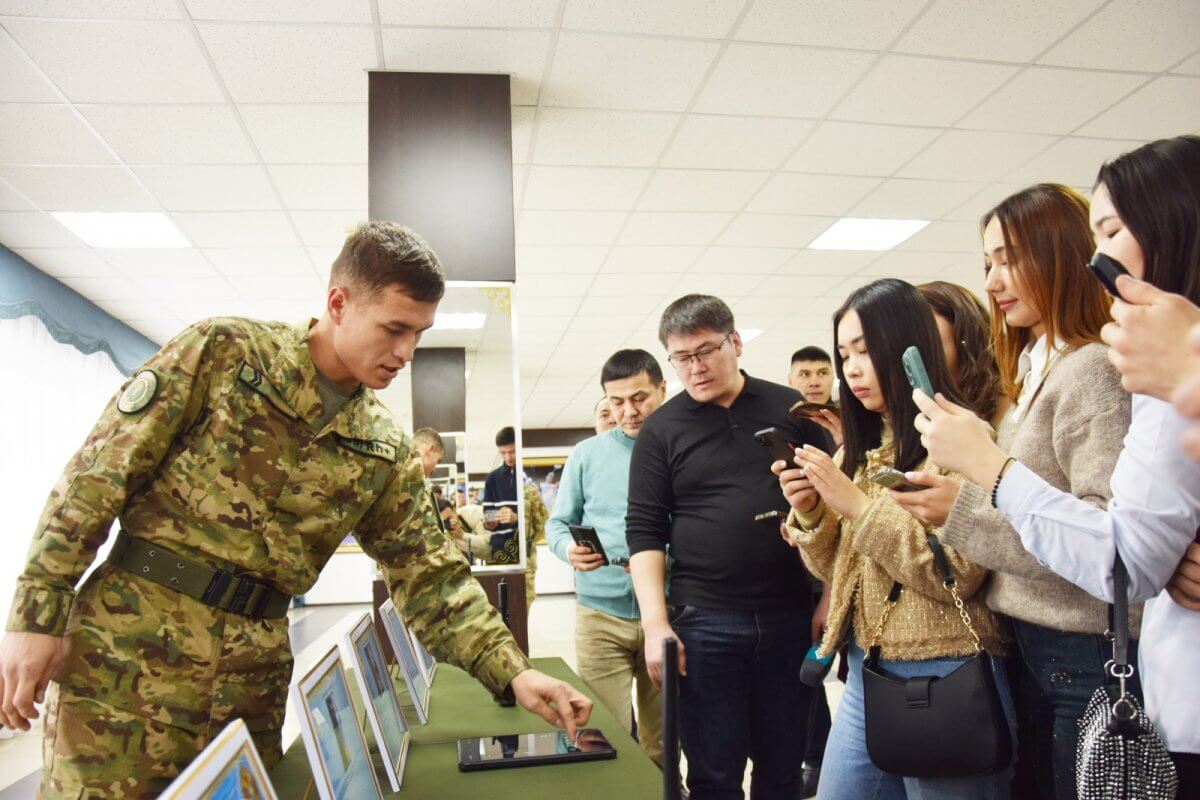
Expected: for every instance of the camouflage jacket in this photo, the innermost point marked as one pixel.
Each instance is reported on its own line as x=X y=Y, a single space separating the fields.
x=209 y=451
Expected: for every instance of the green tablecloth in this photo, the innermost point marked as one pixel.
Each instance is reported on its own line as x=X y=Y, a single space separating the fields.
x=460 y=707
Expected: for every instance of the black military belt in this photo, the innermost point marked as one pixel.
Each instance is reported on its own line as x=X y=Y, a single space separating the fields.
x=238 y=594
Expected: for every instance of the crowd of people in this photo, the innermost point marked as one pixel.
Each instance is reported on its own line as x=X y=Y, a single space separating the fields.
x=973 y=521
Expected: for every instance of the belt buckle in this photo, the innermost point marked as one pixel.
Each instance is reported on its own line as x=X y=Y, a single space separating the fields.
x=241 y=602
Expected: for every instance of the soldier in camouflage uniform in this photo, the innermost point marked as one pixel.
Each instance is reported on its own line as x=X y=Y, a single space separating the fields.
x=240 y=456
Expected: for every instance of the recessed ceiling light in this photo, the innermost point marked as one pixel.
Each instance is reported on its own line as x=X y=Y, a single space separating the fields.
x=750 y=334
x=454 y=321
x=123 y=229
x=851 y=233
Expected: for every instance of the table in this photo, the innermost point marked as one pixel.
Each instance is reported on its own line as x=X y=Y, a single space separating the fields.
x=460 y=707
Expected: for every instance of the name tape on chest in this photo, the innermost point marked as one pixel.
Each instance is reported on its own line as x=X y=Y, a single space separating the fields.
x=370 y=447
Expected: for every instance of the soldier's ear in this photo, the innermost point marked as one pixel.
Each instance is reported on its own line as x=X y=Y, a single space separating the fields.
x=336 y=302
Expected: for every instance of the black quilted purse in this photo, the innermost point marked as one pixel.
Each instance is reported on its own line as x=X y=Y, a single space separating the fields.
x=930 y=726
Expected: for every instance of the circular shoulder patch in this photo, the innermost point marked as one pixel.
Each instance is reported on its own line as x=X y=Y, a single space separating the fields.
x=138 y=393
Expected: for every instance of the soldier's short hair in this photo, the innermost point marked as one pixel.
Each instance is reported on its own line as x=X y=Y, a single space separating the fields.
x=379 y=254
x=693 y=313
x=429 y=436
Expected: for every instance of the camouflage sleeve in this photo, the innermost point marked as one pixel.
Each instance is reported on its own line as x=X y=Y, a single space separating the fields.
x=430 y=579
x=535 y=516
x=125 y=447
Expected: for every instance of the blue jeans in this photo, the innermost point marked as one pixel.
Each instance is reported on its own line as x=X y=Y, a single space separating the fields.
x=1058 y=674
x=848 y=772
x=742 y=698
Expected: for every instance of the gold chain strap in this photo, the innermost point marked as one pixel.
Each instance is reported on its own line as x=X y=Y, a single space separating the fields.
x=952 y=587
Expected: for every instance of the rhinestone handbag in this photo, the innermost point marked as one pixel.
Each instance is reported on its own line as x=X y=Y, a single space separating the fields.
x=1120 y=754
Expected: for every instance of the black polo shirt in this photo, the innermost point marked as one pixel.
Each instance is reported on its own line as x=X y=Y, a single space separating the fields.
x=697 y=480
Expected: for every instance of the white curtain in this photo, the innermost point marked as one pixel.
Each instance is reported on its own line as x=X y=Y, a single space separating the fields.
x=50 y=397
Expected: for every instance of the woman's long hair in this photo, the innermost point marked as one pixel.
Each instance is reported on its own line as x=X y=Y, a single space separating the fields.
x=894 y=317
x=1156 y=191
x=1048 y=243
x=978 y=377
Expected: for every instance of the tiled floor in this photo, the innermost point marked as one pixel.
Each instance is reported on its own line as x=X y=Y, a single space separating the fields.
x=314 y=630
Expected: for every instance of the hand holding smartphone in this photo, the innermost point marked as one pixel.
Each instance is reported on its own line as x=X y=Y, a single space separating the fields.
x=806 y=410
x=914 y=369
x=1107 y=270
x=777 y=445
x=890 y=478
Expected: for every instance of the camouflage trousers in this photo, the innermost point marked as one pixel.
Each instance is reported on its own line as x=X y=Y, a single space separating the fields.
x=150 y=677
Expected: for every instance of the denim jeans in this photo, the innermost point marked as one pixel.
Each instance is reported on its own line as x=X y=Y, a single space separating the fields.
x=848 y=772
x=742 y=698
x=1058 y=674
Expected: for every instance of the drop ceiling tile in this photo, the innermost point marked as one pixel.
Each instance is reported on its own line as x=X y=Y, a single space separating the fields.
x=109 y=288
x=988 y=198
x=316 y=133
x=558 y=286
x=469 y=13
x=210 y=188
x=94 y=61
x=1071 y=161
x=569 y=227
x=583 y=188
x=719 y=142
x=154 y=263
x=20 y=80
x=621 y=292
x=975 y=155
x=773 y=230
x=708 y=19
x=264 y=287
x=349 y=11
x=794 y=289
x=1148 y=35
x=747 y=260
x=1190 y=66
x=293 y=64
x=602 y=138
x=773 y=70
x=914 y=267
x=11 y=200
x=550 y=260
x=604 y=322
x=166 y=134
x=645 y=285
x=1014 y=31
x=92 y=9
x=700 y=190
x=22 y=229
x=562 y=306
x=68 y=262
x=728 y=287
x=903 y=198
x=326 y=228
x=236 y=229
x=651 y=259
x=921 y=91
x=629 y=72
x=673 y=228
x=80 y=188
x=941 y=237
x=522 y=132
x=1167 y=106
x=521 y=54
x=48 y=134
x=321 y=187
x=849 y=148
x=1045 y=100
x=857 y=24
x=827 y=195
x=827 y=262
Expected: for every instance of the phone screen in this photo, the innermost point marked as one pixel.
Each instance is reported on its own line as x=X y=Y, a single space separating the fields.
x=527 y=746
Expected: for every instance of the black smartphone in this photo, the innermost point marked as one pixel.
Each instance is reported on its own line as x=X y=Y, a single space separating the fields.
x=890 y=478
x=807 y=410
x=1107 y=270
x=777 y=445
x=532 y=749
x=914 y=369
x=586 y=536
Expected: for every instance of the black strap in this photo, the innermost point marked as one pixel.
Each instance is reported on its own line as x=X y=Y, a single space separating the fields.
x=1118 y=614
x=940 y=563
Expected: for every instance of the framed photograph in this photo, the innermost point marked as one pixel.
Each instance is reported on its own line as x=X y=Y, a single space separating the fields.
x=337 y=752
x=228 y=769
x=379 y=697
x=406 y=658
x=425 y=660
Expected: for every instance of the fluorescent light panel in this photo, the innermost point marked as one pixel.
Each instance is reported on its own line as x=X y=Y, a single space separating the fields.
x=123 y=229
x=854 y=233
x=454 y=321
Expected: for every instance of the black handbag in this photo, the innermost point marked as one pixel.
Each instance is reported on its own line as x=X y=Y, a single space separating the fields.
x=930 y=726
x=1119 y=753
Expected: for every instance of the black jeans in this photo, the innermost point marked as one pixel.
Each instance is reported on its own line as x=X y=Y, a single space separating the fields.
x=1056 y=677
x=742 y=698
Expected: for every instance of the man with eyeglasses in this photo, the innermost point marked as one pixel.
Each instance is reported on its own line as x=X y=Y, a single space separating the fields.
x=739 y=603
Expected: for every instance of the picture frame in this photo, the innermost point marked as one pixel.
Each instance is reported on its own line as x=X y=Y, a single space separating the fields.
x=228 y=769
x=407 y=660
x=333 y=739
x=364 y=653
x=425 y=659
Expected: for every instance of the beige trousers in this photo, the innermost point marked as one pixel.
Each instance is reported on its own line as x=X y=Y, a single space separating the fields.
x=611 y=653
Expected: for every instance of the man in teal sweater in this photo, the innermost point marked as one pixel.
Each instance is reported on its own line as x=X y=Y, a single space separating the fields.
x=609 y=642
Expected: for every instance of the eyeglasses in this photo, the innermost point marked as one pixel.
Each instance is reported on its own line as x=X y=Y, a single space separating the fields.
x=685 y=361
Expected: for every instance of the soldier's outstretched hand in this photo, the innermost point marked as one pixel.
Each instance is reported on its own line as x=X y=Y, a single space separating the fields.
x=28 y=661
x=555 y=701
